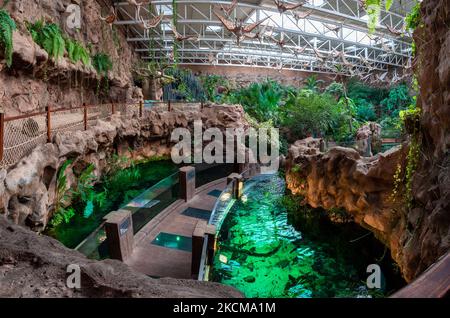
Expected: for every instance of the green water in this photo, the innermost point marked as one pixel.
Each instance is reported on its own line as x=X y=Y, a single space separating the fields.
x=119 y=190
x=262 y=255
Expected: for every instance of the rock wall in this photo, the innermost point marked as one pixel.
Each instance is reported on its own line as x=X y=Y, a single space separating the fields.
x=418 y=234
x=342 y=178
x=34 y=81
x=27 y=190
x=36 y=266
x=243 y=76
x=429 y=221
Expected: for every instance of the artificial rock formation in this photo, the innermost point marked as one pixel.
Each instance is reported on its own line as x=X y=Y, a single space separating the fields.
x=342 y=178
x=35 y=81
x=417 y=232
x=368 y=139
x=27 y=190
x=36 y=266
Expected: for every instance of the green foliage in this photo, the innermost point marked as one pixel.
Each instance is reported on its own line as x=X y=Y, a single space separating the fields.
x=312 y=83
x=186 y=86
x=357 y=90
x=49 y=37
x=7 y=26
x=306 y=113
x=335 y=89
x=388 y=4
x=102 y=63
x=365 y=110
x=62 y=214
x=261 y=100
x=85 y=189
x=403 y=178
x=413 y=19
x=397 y=100
x=373 y=9
x=211 y=85
x=77 y=52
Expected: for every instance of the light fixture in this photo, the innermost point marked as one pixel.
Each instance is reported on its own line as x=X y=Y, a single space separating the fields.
x=225 y=197
x=223 y=259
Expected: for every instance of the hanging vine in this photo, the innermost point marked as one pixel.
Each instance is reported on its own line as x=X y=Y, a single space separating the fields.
x=373 y=10
x=175 y=21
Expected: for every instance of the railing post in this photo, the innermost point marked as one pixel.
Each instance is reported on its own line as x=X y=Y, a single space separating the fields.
x=2 y=132
x=187 y=183
x=169 y=105
x=85 y=116
x=49 y=124
x=113 y=109
x=140 y=108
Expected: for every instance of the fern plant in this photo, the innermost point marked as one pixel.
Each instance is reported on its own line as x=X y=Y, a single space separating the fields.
x=102 y=63
x=77 y=52
x=7 y=27
x=86 y=191
x=49 y=37
x=62 y=214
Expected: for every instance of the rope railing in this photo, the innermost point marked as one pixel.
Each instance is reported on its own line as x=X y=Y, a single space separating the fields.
x=20 y=134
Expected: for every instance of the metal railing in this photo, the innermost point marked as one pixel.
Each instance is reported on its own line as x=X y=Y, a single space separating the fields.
x=19 y=135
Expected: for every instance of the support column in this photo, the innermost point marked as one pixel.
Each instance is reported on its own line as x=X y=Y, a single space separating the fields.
x=119 y=233
x=198 y=239
x=238 y=186
x=187 y=183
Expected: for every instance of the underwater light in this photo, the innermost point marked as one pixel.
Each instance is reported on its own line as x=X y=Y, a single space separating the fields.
x=244 y=198
x=223 y=259
x=225 y=196
x=178 y=238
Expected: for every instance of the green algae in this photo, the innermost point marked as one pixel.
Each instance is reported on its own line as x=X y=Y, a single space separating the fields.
x=261 y=254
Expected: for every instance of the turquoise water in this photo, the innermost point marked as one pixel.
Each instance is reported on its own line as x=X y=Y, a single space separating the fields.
x=262 y=255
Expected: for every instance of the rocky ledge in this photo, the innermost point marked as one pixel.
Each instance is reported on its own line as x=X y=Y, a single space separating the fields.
x=28 y=189
x=363 y=186
x=36 y=266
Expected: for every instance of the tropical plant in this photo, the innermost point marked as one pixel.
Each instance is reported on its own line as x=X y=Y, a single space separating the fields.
x=7 y=27
x=260 y=100
x=102 y=63
x=211 y=85
x=85 y=190
x=185 y=86
x=365 y=110
x=312 y=83
x=412 y=20
x=307 y=113
x=49 y=37
x=397 y=100
x=335 y=89
x=62 y=214
x=77 y=52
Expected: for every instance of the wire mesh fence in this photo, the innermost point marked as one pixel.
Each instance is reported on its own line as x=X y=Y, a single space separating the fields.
x=19 y=135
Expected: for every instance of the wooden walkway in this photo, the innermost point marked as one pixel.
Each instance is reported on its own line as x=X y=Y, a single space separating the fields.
x=433 y=283
x=158 y=261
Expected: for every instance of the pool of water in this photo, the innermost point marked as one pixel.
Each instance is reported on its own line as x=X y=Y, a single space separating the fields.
x=261 y=254
x=118 y=192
